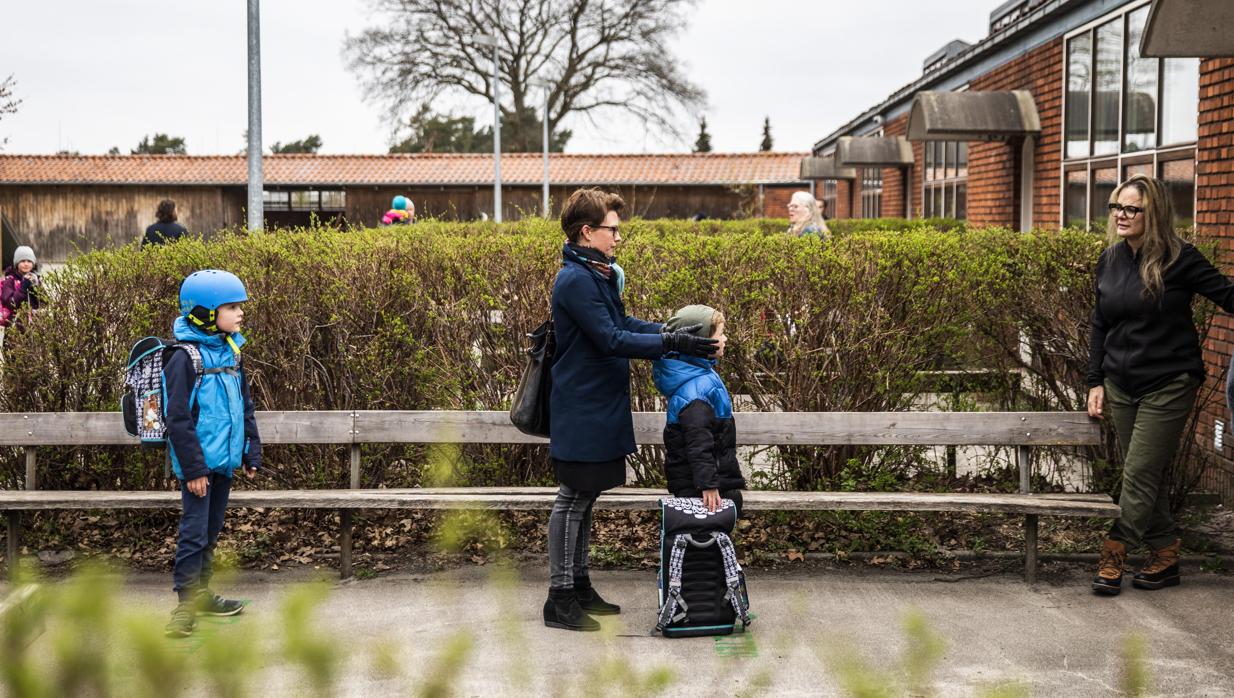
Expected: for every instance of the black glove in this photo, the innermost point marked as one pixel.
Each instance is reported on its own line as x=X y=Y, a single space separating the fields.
x=684 y=341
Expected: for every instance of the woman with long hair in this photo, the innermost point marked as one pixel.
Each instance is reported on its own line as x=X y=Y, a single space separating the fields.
x=804 y=215
x=1145 y=367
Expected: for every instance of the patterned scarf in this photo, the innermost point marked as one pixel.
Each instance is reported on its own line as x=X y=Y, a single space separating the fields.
x=592 y=258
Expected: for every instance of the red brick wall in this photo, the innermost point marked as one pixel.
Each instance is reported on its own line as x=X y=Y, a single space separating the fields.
x=844 y=193
x=993 y=196
x=893 y=177
x=775 y=199
x=1214 y=216
x=993 y=188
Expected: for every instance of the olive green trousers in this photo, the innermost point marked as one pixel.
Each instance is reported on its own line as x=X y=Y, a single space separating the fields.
x=1149 y=429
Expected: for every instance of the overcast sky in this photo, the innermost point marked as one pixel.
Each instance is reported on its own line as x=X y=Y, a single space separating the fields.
x=93 y=75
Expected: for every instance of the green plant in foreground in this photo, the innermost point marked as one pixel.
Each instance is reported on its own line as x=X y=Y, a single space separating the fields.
x=1135 y=669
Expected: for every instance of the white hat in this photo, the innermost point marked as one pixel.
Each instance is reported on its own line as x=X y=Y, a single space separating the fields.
x=24 y=254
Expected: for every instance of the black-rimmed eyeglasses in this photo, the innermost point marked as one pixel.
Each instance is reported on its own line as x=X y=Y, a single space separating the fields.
x=1130 y=211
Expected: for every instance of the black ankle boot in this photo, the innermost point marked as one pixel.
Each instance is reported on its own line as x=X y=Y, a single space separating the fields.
x=561 y=610
x=590 y=600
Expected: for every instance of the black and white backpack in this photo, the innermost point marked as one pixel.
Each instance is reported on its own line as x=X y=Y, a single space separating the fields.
x=144 y=403
x=702 y=588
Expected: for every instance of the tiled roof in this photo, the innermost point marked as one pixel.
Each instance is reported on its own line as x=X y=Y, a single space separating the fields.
x=423 y=169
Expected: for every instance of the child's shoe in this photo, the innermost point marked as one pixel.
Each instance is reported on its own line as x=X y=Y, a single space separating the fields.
x=211 y=604
x=183 y=621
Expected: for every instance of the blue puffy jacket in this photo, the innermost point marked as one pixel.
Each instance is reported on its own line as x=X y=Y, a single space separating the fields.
x=700 y=437
x=211 y=428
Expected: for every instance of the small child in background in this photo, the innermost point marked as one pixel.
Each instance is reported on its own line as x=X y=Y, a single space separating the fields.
x=700 y=438
x=402 y=212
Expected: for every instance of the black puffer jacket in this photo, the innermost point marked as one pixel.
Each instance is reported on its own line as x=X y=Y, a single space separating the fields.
x=700 y=438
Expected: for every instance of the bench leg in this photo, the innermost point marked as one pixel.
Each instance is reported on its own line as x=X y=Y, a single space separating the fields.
x=14 y=544
x=1030 y=548
x=344 y=548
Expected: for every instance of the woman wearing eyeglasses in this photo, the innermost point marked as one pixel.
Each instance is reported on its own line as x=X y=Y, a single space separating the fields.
x=590 y=423
x=805 y=217
x=1144 y=369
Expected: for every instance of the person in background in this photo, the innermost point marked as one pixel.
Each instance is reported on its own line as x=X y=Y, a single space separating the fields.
x=1145 y=366
x=805 y=217
x=166 y=229
x=19 y=290
x=402 y=212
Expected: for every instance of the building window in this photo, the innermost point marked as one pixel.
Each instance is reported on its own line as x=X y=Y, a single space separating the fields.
x=305 y=200
x=830 y=195
x=945 y=180
x=1126 y=115
x=276 y=200
x=871 y=192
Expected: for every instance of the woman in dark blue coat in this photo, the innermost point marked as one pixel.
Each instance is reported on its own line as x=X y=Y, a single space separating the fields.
x=592 y=429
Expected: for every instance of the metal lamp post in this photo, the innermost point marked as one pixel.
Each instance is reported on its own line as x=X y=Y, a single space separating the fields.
x=491 y=40
x=255 y=203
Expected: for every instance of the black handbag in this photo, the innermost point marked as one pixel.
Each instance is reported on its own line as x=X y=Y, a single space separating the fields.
x=529 y=411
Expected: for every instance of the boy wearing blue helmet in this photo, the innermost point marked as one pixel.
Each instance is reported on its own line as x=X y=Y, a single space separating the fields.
x=211 y=431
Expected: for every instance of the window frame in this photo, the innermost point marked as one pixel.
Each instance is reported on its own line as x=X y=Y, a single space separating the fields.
x=944 y=175
x=1156 y=154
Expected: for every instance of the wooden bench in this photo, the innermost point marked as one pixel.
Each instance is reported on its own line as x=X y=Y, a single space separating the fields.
x=1021 y=430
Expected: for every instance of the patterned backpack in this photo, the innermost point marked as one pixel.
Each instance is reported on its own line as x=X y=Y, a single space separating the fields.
x=144 y=403
x=702 y=588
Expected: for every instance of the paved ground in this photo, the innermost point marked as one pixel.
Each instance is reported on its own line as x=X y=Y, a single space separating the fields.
x=1055 y=637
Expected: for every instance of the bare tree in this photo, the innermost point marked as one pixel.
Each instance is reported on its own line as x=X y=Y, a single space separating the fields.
x=8 y=103
x=597 y=57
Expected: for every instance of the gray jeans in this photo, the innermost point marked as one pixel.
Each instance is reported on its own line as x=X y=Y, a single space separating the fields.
x=569 y=536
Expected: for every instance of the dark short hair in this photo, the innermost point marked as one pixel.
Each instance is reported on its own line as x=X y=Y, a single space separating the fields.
x=588 y=207
x=166 y=212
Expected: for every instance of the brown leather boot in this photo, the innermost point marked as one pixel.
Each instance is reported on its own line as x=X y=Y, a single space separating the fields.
x=1161 y=570
x=1109 y=579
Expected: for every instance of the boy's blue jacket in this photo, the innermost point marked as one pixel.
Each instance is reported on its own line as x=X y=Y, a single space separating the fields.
x=214 y=430
x=700 y=437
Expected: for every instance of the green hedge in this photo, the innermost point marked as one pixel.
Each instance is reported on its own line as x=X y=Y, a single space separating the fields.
x=403 y=318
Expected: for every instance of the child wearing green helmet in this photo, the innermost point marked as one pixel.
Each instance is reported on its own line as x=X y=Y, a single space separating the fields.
x=211 y=432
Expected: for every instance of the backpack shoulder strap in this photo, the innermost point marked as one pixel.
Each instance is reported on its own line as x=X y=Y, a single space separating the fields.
x=675 y=607
x=194 y=352
x=732 y=578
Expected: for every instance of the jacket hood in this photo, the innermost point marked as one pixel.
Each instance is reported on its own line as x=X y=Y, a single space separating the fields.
x=185 y=332
x=670 y=374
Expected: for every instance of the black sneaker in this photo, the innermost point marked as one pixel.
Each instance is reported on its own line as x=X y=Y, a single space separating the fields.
x=211 y=604
x=183 y=621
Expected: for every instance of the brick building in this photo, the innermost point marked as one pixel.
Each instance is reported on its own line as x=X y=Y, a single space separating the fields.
x=60 y=204
x=1035 y=124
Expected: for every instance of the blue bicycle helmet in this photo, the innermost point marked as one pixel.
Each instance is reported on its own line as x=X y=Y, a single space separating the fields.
x=399 y=203
x=204 y=291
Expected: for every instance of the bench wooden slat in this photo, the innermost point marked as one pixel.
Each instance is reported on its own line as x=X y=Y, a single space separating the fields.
x=542 y=499
x=107 y=428
x=766 y=428
x=445 y=426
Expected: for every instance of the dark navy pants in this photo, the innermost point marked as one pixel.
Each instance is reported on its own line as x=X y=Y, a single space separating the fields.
x=200 y=524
